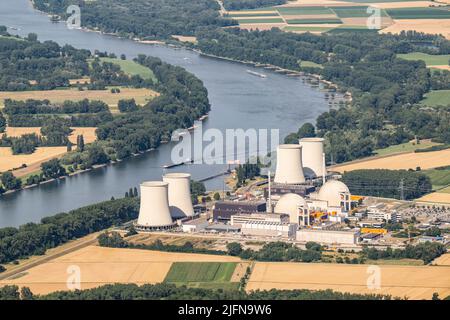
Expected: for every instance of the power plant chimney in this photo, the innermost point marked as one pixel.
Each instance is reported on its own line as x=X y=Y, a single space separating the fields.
x=269 y=207
x=180 y=201
x=289 y=168
x=312 y=156
x=154 y=211
x=324 y=169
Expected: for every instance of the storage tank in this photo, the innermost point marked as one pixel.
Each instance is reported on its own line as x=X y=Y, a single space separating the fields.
x=180 y=201
x=312 y=156
x=154 y=211
x=289 y=168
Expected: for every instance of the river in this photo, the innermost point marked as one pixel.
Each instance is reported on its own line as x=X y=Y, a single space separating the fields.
x=238 y=100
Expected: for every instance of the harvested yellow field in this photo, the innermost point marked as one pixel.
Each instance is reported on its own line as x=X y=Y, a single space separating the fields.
x=443 y=260
x=9 y=161
x=441 y=67
x=424 y=160
x=402 y=4
x=141 y=95
x=87 y=132
x=436 y=197
x=433 y=26
x=99 y=266
x=413 y=282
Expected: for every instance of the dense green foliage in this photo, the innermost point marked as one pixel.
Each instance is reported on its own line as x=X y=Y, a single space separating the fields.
x=165 y=291
x=36 y=238
x=307 y=130
x=147 y=19
x=427 y=252
x=247 y=171
x=250 y=4
x=386 y=183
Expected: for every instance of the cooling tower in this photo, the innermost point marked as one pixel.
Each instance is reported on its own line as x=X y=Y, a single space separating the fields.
x=180 y=201
x=289 y=164
x=154 y=212
x=312 y=156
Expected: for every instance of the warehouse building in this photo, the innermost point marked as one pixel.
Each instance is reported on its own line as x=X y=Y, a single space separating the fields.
x=328 y=236
x=269 y=229
x=224 y=210
x=239 y=219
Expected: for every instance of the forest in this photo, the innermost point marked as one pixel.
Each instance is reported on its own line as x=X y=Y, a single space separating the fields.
x=35 y=238
x=250 y=4
x=165 y=291
x=146 y=19
x=387 y=183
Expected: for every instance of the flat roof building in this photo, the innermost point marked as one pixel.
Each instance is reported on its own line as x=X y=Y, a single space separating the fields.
x=223 y=210
x=269 y=229
x=239 y=219
x=328 y=236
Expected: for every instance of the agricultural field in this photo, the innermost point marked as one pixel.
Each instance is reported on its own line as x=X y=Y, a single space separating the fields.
x=310 y=64
x=443 y=196
x=352 y=15
x=424 y=160
x=405 y=147
x=87 y=132
x=203 y=274
x=443 y=260
x=141 y=95
x=429 y=59
x=436 y=98
x=99 y=266
x=440 y=178
x=414 y=282
x=132 y=68
x=32 y=161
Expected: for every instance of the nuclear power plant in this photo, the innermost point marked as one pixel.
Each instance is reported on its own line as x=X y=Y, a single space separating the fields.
x=180 y=202
x=303 y=203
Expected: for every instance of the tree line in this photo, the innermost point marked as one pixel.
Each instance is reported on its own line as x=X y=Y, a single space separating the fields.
x=250 y=4
x=387 y=183
x=35 y=238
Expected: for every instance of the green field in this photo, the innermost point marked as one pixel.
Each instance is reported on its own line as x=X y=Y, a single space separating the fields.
x=268 y=20
x=304 y=10
x=436 y=98
x=429 y=59
x=256 y=14
x=404 y=147
x=439 y=178
x=313 y=21
x=354 y=12
x=310 y=64
x=445 y=190
x=132 y=68
x=211 y=275
x=419 y=13
x=307 y=28
x=347 y=28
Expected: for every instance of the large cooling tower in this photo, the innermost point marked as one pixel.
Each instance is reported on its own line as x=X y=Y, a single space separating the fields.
x=180 y=201
x=154 y=211
x=289 y=164
x=312 y=156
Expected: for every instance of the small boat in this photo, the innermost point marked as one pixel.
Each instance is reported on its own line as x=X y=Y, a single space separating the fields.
x=257 y=74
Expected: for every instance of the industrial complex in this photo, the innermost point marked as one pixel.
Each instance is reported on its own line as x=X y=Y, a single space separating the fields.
x=303 y=202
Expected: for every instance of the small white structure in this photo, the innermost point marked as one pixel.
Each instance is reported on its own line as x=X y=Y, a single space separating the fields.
x=154 y=213
x=312 y=157
x=196 y=225
x=328 y=236
x=180 y=201
x=269 y=229
x=289 y=164
x=295 y=206
x=336 y=193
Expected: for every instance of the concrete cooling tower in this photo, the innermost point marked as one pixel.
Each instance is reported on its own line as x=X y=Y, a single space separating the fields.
x=312 y=156
x=180 y=201
x=154 y=212
x=289 y=164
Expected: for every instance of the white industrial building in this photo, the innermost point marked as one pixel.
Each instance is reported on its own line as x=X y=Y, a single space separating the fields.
x=373 y=213
x=154 y=212
x=328 y=236
x=196 y=225
x=269 y=229
x=239 y=219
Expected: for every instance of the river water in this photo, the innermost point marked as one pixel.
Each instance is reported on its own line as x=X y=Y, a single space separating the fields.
x=238 y=99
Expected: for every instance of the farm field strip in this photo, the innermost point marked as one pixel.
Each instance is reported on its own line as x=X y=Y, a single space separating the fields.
x=87 y=132
x=9 y=161
x=429 y=59
x=99 y=266
x=419 y=13
x=415 y=282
